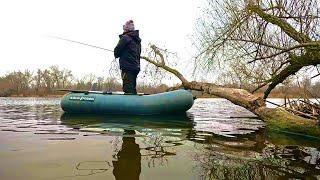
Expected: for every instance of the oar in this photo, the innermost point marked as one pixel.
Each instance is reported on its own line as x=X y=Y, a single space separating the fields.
x=98 y=92
x=84 y=91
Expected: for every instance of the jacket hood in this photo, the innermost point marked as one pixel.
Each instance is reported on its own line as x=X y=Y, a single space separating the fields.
x=133 y=34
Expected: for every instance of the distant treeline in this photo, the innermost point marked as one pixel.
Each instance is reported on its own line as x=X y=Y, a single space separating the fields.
x=44 y=82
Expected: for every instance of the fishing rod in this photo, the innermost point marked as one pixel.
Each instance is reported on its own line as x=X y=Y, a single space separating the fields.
x=96 y=92
x=56 y=37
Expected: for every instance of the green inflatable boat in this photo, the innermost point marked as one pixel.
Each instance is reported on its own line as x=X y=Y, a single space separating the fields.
x=110 y=103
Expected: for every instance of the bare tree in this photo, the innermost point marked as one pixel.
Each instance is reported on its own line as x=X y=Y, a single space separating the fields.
x=56 y=76
x=26 y=79
x=38 y=80
x=66 y=78
x=276 y=118
x=273 y=39
x=47 y=81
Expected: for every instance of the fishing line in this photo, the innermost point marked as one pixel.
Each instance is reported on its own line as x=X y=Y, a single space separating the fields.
x=114 y=71
x=80 y=43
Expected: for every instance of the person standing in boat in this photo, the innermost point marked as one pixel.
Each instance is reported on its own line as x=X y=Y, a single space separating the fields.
x=128 y=50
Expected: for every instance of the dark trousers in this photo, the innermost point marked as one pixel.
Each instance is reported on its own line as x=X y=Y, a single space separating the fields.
x=129 y=82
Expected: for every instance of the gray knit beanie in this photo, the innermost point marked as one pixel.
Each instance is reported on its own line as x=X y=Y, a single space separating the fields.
x=128 y=26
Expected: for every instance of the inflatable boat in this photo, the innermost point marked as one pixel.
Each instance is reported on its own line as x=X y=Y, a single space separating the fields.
x=97 y=102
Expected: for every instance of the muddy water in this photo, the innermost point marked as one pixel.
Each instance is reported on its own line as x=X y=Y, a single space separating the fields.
x=213 y=140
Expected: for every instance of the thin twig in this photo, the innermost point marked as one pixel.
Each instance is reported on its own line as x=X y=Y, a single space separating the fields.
x=295 y=111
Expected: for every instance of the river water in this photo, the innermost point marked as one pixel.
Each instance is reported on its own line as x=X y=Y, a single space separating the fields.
x=213 y=140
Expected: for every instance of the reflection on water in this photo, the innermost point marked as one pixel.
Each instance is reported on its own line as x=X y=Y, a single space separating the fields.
x=128 y=162
x=257 y=159
x=213 y=140
x=168 y=125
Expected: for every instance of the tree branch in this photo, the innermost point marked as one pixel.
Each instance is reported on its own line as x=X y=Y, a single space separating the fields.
x=175 y=72
x=256 y=42
x=315 y=43
x=157 y=52
x=285 y=26
x=279 y=78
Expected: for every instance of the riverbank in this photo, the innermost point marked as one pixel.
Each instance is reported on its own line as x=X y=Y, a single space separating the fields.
x=272 y=95
x=195 y=93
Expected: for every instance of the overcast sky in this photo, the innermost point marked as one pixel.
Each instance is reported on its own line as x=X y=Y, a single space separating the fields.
x=26 y=25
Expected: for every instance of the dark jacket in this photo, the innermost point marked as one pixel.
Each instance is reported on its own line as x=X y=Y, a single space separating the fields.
x=128 y=50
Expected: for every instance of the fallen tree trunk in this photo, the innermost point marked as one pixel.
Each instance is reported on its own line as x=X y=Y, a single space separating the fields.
x=277 y=119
